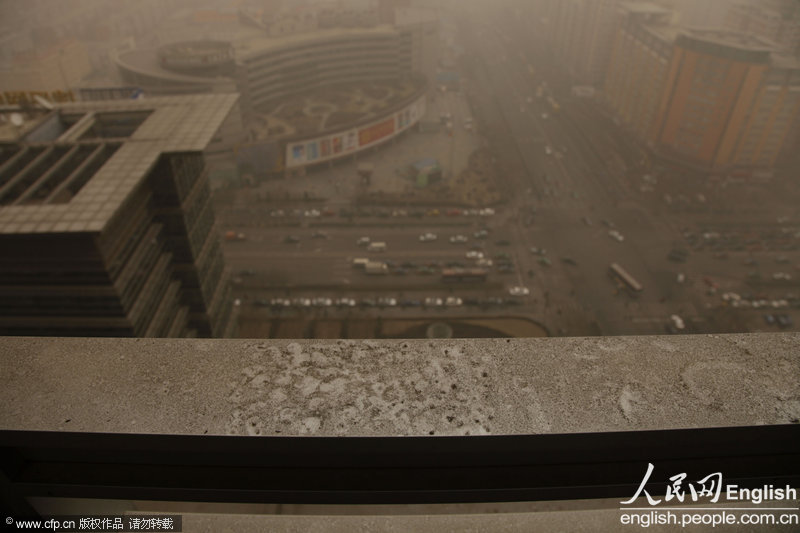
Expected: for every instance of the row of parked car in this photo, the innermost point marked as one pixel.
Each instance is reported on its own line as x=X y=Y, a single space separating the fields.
x=380 y=213
x=388 y=301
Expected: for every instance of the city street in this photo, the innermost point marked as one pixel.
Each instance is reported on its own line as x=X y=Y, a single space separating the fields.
x=580 y=195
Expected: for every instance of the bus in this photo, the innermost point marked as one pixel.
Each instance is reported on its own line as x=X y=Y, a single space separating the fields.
x=619 y=273
x=464 y=275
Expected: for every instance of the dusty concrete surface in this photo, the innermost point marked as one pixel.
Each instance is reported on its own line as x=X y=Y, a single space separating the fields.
x=399 y=387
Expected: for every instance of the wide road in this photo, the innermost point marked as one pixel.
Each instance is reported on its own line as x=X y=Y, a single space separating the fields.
x=564 y=164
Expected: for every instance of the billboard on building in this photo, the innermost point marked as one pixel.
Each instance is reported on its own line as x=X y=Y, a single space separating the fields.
x=309 y=151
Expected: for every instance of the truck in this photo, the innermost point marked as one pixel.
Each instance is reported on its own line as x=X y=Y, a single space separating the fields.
x=233 y=236
x=376 y=268
x=360 y=262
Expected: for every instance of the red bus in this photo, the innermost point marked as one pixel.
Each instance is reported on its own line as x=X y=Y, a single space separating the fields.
x=464 y=275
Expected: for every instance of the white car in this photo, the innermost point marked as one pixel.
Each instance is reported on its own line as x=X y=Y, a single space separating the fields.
x=519 y=291
x=363 y=241
x=486 y=212
x=427 y=237
x=545 y=116
x=677 y=322
x=455 y=239
x=433 y=302
x=453 y=301
x=313 y=213
x=388 y=302
x=548 y=150
x=614 y=234
x=483 y=262
x=474 y=254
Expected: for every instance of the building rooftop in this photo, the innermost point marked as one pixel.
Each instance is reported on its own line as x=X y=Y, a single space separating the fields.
x=72 y=172
x=246 y=49
x=731 y=38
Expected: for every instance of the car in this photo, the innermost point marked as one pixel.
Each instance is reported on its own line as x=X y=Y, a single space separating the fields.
x=321 y=302
x=345 y=302
x=319 y=235
x=368 y=302
x=569 y=261
x=277 y=213
x=291 y=239
x=387 y=302
x=399 y=271
x=363 y=241
x=486 y=212
x=301 y=302
x=433 y=302
x=474 y=254
x=614 y=234
x=455 y=239
x=548 y=150
x=408 y=264
x=482 y=234
x=411 y=303
x=483 y=262
x=784 y=321
x=453 y=301
x=505 y=268
x=677 y=322
x=519 y=291
x=769 y=319
x=312 y=213
x=433 y=213
x=426 y=270
x=544 y=261
x=544 y=116
x=263 y=303
x=427 y=237
x=454 y=212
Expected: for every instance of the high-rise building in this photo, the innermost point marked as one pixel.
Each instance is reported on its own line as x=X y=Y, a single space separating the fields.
x=639 y=64
x=582 y=36
x=106 y=223
x=714 y=99
x=775 y=20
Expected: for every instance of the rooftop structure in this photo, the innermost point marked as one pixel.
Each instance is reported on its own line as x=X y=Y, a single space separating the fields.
x=106 y=223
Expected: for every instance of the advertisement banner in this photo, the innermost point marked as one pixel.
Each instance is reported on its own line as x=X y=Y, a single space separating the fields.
x=375 y=132
x=331 y=146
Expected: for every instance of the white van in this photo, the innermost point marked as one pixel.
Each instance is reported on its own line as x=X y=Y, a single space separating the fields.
x=376 y=247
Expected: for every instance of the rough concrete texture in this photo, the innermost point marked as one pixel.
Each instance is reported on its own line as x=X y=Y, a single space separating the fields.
x=399 y=387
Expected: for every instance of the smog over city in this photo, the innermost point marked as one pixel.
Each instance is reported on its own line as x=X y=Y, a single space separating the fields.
x=356 y=169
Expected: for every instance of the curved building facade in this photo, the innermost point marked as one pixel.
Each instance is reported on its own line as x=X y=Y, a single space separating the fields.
x=272 y=69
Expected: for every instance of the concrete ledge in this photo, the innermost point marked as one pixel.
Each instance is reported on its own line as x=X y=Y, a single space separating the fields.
x=407 y=387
